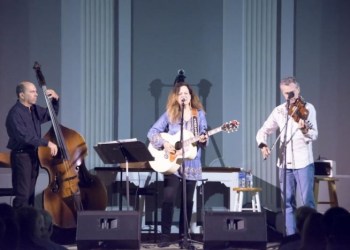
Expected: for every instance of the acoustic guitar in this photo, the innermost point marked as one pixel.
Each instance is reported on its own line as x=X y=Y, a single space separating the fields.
x=168 y=163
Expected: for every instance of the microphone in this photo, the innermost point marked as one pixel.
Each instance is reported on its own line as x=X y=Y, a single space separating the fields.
x=183 y=100
x=180 y=76
x=290 y=95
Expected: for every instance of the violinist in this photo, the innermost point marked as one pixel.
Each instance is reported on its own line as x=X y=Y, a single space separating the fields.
x=23 y=128
x=296 y=135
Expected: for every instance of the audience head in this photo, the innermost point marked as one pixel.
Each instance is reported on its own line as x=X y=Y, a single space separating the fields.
x=31 y=223
x=10 y=235
x=313 y=235
x=301 y=214
x=2 y=230
x=336 y=221
x=48 y=226
x=330 y=215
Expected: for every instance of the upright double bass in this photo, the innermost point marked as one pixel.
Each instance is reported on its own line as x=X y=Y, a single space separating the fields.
x=71 y=187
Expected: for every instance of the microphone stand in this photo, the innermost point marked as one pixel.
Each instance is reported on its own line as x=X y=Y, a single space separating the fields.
x=285 y=169
x=186 y=243
x=127 y=175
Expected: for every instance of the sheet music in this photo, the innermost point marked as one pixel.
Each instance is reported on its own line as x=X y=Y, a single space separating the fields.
x=122 y=151
x=118 y=141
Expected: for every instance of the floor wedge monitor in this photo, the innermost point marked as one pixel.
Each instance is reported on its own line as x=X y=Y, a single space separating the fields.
x=224 y=230
x=108 y=230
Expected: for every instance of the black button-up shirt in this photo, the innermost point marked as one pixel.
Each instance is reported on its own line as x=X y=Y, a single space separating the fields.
x=24 y=126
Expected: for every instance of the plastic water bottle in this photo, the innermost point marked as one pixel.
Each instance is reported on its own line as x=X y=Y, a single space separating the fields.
x=249 y=179
x=241 y=179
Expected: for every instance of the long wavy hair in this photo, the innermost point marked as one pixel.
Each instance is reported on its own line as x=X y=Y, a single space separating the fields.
x=174 y=109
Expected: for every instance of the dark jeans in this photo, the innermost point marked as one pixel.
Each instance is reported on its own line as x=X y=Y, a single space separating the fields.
x=25 y=170
x=173 y=185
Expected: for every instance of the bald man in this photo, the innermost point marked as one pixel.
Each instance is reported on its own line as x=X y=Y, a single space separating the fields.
x=23 y=124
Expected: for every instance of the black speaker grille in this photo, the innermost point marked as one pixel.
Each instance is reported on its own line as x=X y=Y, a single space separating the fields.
x=108 y=229
x=235 y=229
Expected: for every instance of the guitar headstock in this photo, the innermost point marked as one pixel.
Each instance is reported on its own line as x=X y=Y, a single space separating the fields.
x=230 y=126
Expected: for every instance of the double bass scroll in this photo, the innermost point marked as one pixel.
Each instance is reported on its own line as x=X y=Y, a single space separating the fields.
x=71 y=187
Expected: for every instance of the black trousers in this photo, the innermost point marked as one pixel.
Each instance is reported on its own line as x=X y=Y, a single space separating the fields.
x=172 y=186
x=25 y=170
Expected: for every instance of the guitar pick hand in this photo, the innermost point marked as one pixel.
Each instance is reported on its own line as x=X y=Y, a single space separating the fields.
x=168 y=147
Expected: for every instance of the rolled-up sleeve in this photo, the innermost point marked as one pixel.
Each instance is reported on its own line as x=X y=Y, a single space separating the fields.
x=269 y=127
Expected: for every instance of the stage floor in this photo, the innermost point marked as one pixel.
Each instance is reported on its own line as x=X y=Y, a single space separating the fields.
x=147 y=246
x=148 y=242
x=197 y=246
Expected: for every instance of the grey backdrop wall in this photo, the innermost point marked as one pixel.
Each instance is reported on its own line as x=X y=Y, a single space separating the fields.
x=322 y=65
x=29 y=31
x=153 y=39
x=171 y=28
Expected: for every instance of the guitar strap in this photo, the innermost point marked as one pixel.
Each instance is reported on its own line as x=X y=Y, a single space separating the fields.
x=195 y=122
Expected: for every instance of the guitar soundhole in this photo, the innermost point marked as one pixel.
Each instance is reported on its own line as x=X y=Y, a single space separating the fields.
x=178 y=145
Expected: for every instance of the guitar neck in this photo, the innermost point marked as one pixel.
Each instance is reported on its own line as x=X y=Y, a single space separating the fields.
x=196 y=138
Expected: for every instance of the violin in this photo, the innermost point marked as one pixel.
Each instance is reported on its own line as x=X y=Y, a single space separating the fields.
x=297 y=110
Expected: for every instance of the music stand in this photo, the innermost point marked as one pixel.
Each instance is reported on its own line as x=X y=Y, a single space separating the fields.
x=123 y=151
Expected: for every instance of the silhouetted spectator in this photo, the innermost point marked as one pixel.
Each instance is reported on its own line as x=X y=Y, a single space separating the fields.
x=313 y=235
x=46 y=232
x=330 y=215
x=10 y=239
x=337 y=226
x=2 y=230
x=31 y=224
x=292 y=242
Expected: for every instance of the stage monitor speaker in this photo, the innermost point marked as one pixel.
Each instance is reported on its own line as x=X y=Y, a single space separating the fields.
x=235 y=230
x=108 y=230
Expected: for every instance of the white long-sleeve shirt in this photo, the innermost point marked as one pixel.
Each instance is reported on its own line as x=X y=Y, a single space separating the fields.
x=299 y=145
